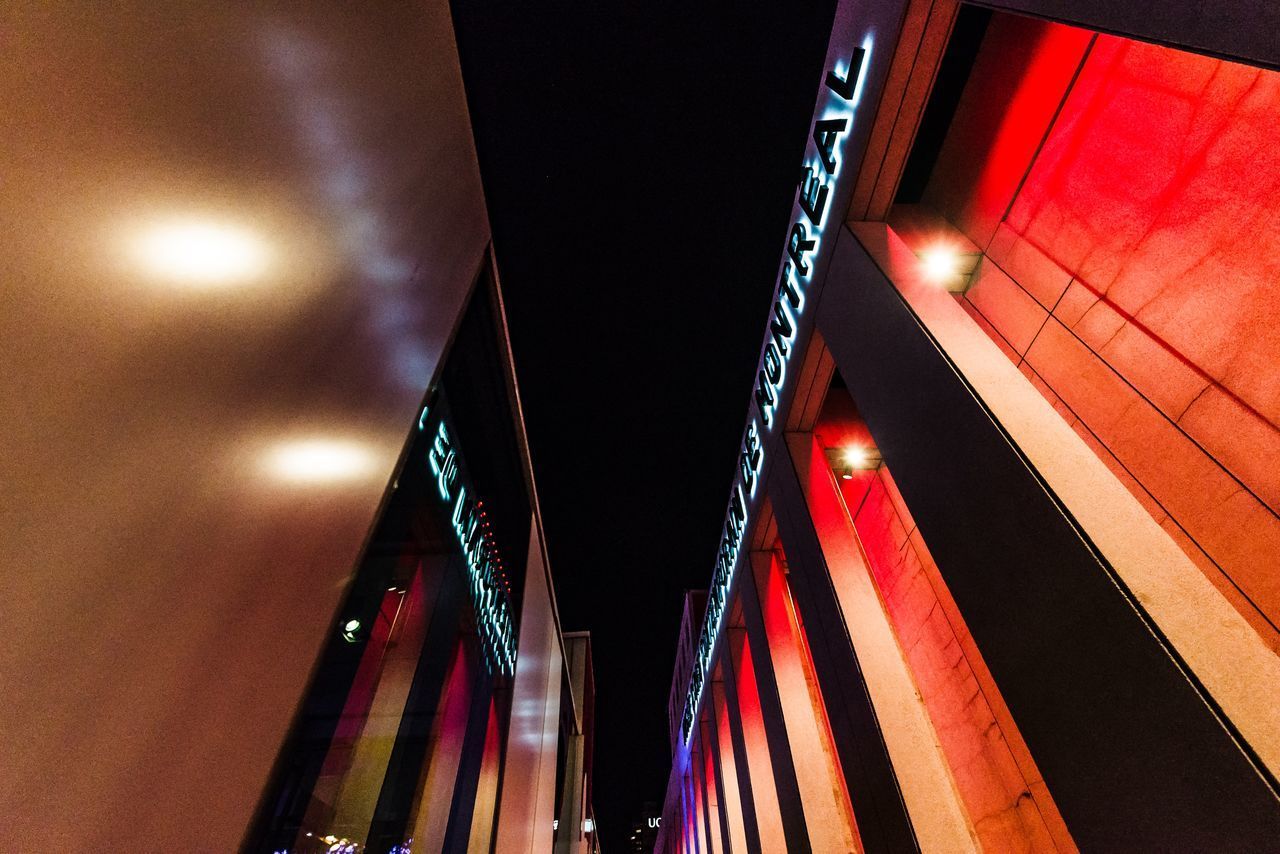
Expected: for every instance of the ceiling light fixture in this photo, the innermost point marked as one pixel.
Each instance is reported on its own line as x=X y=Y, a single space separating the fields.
x=853 y=458
x=200 y=252
x=321 y=461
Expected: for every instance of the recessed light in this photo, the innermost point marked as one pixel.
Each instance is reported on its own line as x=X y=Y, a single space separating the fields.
x=321 y=461
x=200 y=252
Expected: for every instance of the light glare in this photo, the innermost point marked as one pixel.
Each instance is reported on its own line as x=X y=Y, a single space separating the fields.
x=940 y=263
x=321 y=461
x=855 y=456
x=201 y=252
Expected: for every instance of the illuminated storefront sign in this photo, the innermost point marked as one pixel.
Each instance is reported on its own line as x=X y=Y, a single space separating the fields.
x=488 y=593
x=822 y=169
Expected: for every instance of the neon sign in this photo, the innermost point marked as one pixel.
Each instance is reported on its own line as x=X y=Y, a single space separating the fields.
x=488 y=594
x=824 y=159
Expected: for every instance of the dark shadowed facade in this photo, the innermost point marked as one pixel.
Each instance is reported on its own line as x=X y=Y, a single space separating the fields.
x=1000 y=568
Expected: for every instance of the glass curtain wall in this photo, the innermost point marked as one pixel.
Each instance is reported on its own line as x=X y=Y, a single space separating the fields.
x=397 y=743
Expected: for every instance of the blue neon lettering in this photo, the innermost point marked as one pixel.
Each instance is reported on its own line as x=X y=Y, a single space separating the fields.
x=493 y=618
x=804 y=243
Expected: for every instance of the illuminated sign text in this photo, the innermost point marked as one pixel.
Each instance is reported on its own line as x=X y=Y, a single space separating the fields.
x=804 y=243
x=488 y=596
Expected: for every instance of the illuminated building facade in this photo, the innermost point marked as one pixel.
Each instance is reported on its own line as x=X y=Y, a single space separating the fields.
x=274 y=571
x=1000 y=566
x=448 y=712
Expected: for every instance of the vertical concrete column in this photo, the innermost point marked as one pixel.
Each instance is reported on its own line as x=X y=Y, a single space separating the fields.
x=735 y=782
x=1127 y=697
x=444 y=757
x=354 y=770
x=573 y=796
x=697 y=801
x=707 y=793
x=714 y=787
x=417 y=675
x=826 y=807
x=835 y=590
x=686 y=815
x=484 y=812
x=745 y=707
x=775 y=723
x=475 y=788
x=570 y=836
x=527 y=807
x=698 y=795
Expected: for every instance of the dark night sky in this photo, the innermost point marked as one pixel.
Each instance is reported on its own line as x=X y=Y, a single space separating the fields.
x=639 y=163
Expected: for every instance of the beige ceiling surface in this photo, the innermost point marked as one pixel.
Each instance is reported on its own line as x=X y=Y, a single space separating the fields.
x=233 y=241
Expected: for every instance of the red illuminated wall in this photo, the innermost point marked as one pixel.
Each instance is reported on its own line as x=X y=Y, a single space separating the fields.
x=1002 y=791
x=1133 y=271
x=764 y=795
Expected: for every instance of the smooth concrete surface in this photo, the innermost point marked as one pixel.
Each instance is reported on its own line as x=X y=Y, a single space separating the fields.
x=735 y=810
x=716 y=813
x=235 y=239
x=828 y=815
x=444 y=757
x=757 y=759
x=1113 y=715
x=935 y=807
x=1225 y=654
x=1125 y=196
x=527 y=807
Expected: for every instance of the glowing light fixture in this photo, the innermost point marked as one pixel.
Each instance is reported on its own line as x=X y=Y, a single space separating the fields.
x=939 y=263
x=350 y=630
x=201 y=252
x=321 y=461
x=948 y=266
x=845 y=461
x=588 y=825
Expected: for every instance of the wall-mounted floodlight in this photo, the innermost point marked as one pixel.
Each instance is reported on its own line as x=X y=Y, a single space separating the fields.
x=948 y=266
x=853 y=458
